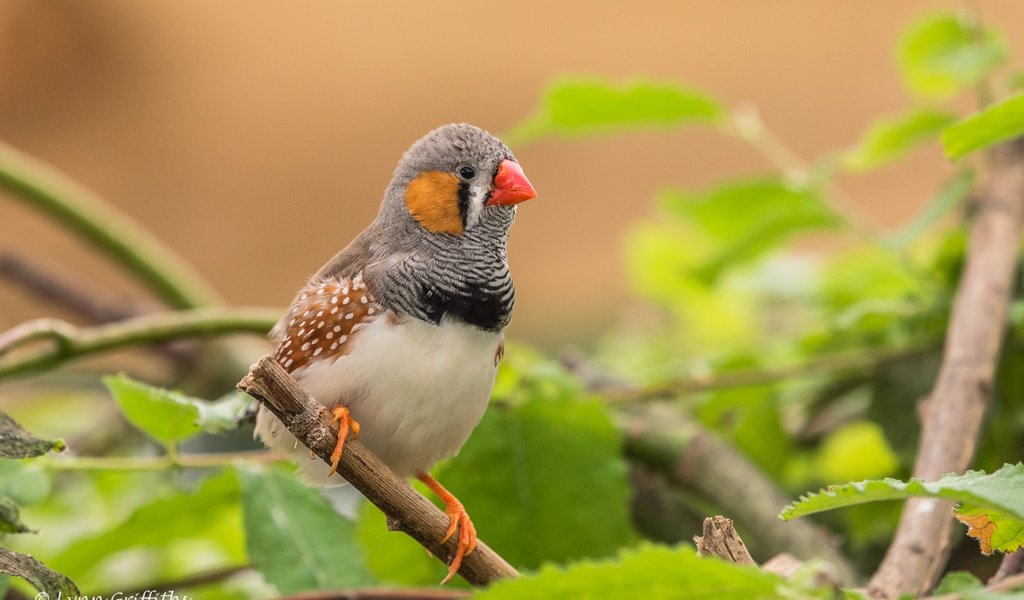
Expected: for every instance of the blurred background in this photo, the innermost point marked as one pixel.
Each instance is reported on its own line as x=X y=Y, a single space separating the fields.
x=256 y=139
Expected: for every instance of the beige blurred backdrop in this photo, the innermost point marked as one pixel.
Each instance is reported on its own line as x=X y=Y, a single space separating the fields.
x=255 y=137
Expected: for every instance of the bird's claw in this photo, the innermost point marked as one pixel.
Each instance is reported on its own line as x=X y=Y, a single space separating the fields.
x=346 y=425
x=459 y=521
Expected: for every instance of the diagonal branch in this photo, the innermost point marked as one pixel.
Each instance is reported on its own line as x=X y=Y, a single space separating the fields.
x=311 y=423
x=952 y=414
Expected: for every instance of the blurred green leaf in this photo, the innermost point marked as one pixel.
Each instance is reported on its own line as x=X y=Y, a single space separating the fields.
x=942 y=53
x=854 y=452
x=49 y=582
x=168 y=416
x=957 y=581
x=10 y=517
x=747 y=218
x=24 y=483
x=295 y=538
x=950 y=195
x=15 y=442
x=545 y=481
x=650 y=572
x=396 y=558
x=998 y=496
x=211 y=513
x=996 y=123
x=890 y=138
x=587 y=106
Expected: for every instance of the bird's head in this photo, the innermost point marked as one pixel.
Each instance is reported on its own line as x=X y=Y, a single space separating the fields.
x=458 y=178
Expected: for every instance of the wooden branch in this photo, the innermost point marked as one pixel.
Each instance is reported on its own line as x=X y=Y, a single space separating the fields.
x=407 y=510
x=952 y=414
x=377 y=593
x=691 y=456
x=720 y=539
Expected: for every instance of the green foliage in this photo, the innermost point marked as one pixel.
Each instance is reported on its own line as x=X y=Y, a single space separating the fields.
x=585 y=106
x=994 y=499
x=10 y=517
x=890 y=138
x=942 y=53
x=170 y=417
x=950 y=195
x=653 y=573
x=294 y=538
x=855 y=451
x=991 y=125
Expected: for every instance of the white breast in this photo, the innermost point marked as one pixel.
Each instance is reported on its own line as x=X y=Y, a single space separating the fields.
x=416 y=389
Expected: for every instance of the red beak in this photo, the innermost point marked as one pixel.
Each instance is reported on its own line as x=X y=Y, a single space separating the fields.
x=511 y=185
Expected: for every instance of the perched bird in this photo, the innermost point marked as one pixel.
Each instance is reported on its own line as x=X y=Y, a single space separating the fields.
x=400 y=334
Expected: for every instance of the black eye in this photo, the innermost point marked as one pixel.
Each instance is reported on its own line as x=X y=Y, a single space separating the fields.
x=466 y=172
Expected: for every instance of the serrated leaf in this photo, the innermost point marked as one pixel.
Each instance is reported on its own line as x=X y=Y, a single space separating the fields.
x=211 y=513
x=746 y=218
x=15 y=442
x=50 y=583
x=10 y=517
x=890 y=138
x=170 y=417
x=295 y=539
x=651 y=573
x=992 y=504
x=574 y=107
x=994 y=529
x=992 y=125
x=942 y=53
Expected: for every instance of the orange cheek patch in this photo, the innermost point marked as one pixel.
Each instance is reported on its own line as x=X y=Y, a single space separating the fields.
x=433 y=200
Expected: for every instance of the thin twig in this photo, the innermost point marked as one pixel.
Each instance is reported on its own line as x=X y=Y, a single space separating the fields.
x=176 y=585
x=952 y=415
x=311 y=423
x=71 y=342
x=154 y=463
x=1012 y=564
x=44 y=188
x=381 y=593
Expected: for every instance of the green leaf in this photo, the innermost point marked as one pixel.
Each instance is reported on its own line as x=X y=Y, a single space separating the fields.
x=210 y=515
x=994 y=124
x=745 y=218
x=15 y=442
x=542 y=479
x=855 y=451
x=951 y=194
x=10 y=517
x=942 y=53
x=890 y=138
x=49 y=582
x=585 y=106
x=651 y=573
x=992 y=504
x=294 y=537
x=170 y=417
x=957 y=581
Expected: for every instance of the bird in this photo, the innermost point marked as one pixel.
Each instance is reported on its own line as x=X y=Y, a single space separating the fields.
x=400 y=334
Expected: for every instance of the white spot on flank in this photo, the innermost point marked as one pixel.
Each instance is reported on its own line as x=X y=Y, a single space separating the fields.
x=305 y=347
x=346 y=300
x=320 y=324
x=349 y=316
x=341 y=340
x=334 y=346
x=334 y=310
x=334 y=299
x=344 y=291
x=363 y=300
x=289 y=362
x=369 y=311
x=329 y=335
x=318 y=351
x=320 y=314
x=301 y=331
x=337 y=328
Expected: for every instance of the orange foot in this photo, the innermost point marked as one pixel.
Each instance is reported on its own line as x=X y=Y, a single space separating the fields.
x=345 y=424
x=459 y=520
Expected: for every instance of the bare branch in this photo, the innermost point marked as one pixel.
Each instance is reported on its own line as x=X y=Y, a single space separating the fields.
x=406 y=509
x=952 y=414
x=720 y=539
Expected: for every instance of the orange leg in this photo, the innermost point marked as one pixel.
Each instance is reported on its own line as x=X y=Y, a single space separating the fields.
x=459 y=520
x=345 y=424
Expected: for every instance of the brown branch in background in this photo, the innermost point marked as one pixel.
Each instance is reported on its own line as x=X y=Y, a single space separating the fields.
x=59 y=289
x=952 y=415
x=1012 y=564
x=406 y=509
x=692 y=457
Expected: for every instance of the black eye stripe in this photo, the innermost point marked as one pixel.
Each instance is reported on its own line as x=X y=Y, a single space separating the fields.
x=463 y=202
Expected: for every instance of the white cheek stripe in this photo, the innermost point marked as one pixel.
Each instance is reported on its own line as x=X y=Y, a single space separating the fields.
x=478 y=195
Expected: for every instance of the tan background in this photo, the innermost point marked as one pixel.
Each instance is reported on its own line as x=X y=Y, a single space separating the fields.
x=255 y=137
